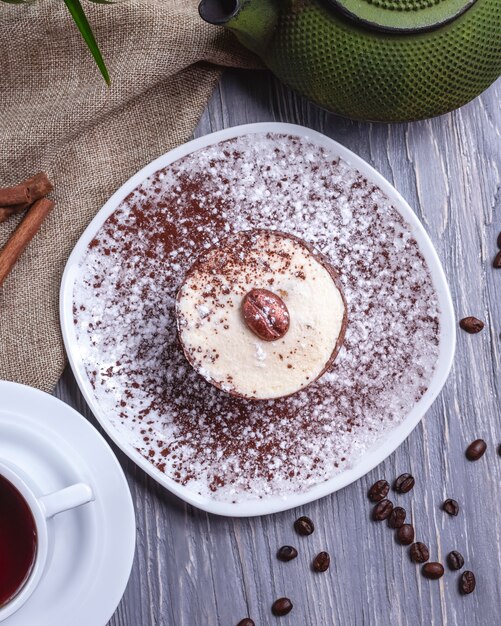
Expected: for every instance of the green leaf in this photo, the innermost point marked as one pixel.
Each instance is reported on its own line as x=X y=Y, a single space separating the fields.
x=99 y=1
x=77 y=12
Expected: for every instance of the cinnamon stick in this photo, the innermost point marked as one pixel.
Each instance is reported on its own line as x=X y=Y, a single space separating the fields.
x=19 y=194
x=22 y=236
x=38 y=186
x=26 y=192
x=6 y=212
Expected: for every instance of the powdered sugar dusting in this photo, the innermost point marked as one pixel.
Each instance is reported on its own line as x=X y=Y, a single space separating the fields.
x=124 y=311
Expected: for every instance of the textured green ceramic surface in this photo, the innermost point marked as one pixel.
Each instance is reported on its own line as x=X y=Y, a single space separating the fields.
x=367 y=74
x=403 y=15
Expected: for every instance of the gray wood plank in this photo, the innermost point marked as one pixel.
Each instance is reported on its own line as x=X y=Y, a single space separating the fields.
x=193 y=569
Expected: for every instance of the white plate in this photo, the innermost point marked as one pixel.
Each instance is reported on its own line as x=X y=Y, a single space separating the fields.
x=93 y=545
x=372 y=457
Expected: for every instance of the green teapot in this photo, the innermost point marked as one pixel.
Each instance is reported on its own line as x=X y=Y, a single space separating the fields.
x=379 y=60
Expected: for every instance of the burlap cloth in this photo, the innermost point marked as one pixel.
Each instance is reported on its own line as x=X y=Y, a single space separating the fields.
x=57 y=115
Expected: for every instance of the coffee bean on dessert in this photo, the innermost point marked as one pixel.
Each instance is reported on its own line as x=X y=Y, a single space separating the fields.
x=455 y=560
x=281 y=607
x=247 y=621
x=304 y=526
x=419 y=552
x=382 y=510
x=405 y=534
x=265 y=314
x=467 y=582
x=476 y=450
x=286 y=553
x=471 y=325
x=404 y=483
x=379 y=490
x=497 y=260
x=433 y=570
x=321 y=562
x=397 y=517
x=450 y=506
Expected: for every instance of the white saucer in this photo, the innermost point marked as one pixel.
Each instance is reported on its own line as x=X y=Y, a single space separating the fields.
x=94 y=544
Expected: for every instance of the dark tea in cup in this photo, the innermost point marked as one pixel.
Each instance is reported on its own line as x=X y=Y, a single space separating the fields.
x=18 y=541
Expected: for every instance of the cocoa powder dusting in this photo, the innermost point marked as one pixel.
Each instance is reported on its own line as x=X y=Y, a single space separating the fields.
x=124 y=313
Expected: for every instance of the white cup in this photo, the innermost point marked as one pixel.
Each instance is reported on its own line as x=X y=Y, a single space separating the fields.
x=43 y=508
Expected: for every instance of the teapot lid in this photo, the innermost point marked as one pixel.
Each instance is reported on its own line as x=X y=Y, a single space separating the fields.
x=402 y=15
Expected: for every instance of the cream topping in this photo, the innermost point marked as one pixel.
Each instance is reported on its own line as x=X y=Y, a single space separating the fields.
x=219 y=344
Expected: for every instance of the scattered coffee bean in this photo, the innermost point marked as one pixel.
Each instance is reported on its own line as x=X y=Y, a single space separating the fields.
x=286 y=553
x=467 y=582
x=281 y=607
x=451 y=507
x=321 y=562
x=419 y=552
x=455 y=560
x=497 y=260
x=404 y=483
x=382 y=510
x=433 y=570
x=405 y=534
x=379 y=490
x=304 y=526
x=499 y=241
x=499 y=450
x=476 y=450
x=471 y=325
x=397 y=517
x=247 y=621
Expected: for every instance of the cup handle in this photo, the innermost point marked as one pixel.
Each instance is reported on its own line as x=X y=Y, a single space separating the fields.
x=65 y=499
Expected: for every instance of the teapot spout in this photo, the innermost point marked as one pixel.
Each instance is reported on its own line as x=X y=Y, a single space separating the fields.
x=218 y=12
x=253 y=21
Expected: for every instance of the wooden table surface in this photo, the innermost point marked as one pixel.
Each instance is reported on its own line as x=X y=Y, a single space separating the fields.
x=195 y=569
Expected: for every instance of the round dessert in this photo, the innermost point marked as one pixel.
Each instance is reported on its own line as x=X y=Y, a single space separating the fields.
x=260 y=315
